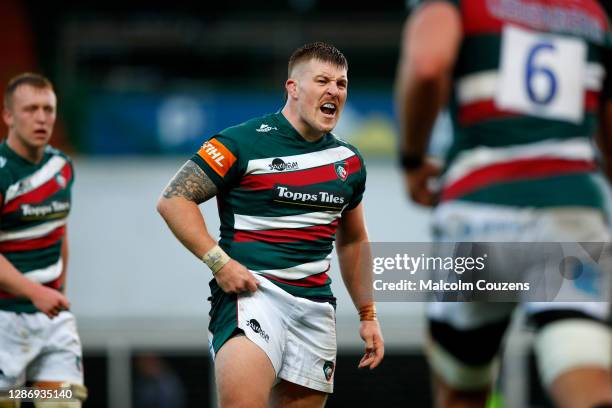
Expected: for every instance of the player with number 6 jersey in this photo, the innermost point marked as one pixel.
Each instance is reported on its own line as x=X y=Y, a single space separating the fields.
x=525 y=103
x=528 y=85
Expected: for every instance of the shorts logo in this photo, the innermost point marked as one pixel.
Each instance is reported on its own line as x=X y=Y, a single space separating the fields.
x=279 y=165
x=341 y=169
x=328 y=370
x=217 y=156
x=254 y=325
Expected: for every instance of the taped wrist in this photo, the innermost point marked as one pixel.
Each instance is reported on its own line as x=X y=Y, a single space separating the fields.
x=367 y=312
x=215 y=258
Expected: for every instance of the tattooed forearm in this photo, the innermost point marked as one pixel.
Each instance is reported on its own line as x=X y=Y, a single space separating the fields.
x=191 y=183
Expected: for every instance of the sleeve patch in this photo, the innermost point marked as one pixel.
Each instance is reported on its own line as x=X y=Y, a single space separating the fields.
x=218 y=157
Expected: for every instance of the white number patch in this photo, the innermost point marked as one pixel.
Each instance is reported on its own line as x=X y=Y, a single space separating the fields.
x=542 y=74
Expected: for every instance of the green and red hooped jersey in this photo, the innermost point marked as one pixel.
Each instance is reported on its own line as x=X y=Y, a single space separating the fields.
x=527 y=88
x=34 y=206
x=280 y=199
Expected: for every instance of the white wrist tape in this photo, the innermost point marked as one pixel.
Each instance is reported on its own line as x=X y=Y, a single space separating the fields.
x=216 y=259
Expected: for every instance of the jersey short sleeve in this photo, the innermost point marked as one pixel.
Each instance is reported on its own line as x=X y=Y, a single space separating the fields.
x=218 y=158
x=72 y=172
x=359 y=185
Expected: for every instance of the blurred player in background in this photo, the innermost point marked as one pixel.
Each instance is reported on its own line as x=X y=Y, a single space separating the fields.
x=39 y=342
x=526 y=83
x=286 y=188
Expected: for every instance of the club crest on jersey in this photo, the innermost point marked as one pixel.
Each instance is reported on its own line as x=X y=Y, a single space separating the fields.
x=341 y=169
x=61 y=180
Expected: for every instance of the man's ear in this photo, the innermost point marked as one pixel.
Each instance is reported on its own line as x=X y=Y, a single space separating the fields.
x=292 y=88
x=7 y=116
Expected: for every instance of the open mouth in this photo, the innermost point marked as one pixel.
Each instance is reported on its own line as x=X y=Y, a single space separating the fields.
x=40 y=132
x=328 y=108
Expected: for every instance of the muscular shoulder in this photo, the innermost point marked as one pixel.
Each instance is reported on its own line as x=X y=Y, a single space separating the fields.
x=236 y=141
x=224 y=156
x=53 y=151
x=342 y=142
x=67 y=166
x=247 y=133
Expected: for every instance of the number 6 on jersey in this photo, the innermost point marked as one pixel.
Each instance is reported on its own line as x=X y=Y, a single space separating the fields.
x=542 y=75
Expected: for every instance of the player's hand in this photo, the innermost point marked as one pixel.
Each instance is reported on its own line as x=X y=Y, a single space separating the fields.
x=374 y=344
x=49 y=301
x=235 y=278
x=418 y=183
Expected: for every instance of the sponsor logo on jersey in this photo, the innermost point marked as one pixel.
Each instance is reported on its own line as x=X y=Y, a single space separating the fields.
x=217 y=156
x=309 y=197
x=256 y=327
x=341 y=169
x=328 y=370
x=21 y=187
x=575 y=20
x=42 y=211
x=61 y=180
x=279 y=165
x=265 y=128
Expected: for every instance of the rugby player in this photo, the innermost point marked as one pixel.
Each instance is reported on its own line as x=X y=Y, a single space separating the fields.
x=526 y=82
x=286 y=189
x=39 y=343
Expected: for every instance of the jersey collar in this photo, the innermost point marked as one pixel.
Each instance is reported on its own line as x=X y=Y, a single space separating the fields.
x=286 y=128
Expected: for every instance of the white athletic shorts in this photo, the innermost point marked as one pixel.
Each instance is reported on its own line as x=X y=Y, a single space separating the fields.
x=472 y=222
x=36 y=348
x=297 y=334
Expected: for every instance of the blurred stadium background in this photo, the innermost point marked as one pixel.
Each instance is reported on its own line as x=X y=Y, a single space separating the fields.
x=140 y=84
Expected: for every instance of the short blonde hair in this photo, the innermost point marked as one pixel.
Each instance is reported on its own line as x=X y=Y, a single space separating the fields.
x=26 y=78
x=318 y=50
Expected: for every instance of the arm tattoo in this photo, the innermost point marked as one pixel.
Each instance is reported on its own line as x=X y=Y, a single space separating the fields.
x=191 y=183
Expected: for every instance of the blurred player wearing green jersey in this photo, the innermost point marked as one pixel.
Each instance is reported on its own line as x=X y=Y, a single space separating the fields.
x=39 y=343
x=525 y=82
